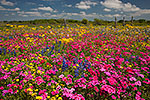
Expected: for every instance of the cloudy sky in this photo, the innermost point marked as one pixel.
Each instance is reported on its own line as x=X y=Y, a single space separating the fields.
x=74 y=9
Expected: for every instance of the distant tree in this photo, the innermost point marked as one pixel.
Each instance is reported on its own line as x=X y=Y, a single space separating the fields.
x=84 y=21
x=73 y=21
x=5 y=21
x=52 y=21
x=148 y=22
x=100 y=22
x=60 y=21
x=142 y=20
x=97 y=21
x=120 y=21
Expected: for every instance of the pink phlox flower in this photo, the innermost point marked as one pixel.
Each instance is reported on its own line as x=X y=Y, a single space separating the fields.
x=107 y=73
x=39 y=80
x=109 y=89
x=96 y=89
x=132 y=79
x=42 y=91
x=112 y=81
x=52 y=81
x=70 y=76
x=113 y=97
x=53 y=92
x=61 y=76
x=138 y=83
x=1 y=88
x=4 y=92
x=139 y=93
x=102 y=69
x=137 y=97
x=58 y=87
x=10 y=90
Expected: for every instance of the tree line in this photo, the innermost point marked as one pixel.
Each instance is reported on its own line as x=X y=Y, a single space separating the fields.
x=84 y=21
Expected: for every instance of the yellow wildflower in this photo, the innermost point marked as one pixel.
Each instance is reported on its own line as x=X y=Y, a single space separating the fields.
x=60 y=98
x=33 y=94
x=38 y=71
x=36 y=90
x=57 y=95
x=17 y=80
x=3 y=66
x=62 y=85
x=33 y=70
x=77 y=64
x=6 y=69
x=48 y=97
x=59 y=68
x=74 y=66
x=29 y=89
x=38 y=97
x=22 y=59
x=130 y=65
x=30 y=84
x=53 y=98
x=57 y=84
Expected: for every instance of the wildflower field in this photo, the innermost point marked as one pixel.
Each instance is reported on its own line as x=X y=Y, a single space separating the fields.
x=74 y=62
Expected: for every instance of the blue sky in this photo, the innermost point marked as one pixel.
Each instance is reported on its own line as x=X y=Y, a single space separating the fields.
x=74 y=9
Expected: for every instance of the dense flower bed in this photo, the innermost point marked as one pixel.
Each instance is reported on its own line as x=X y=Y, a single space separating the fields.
x=80 y=62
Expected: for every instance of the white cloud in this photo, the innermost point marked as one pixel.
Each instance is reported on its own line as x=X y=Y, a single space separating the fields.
x=6 y=14
x=90 y=3
x=55 y=11
x=13 y=14
x=2 y=8
x=108 y=15
x=35 y=9
x=140 y=12
x=17 y=9
x=129 y=7
x=30 y=3
x=117 y=15
x=85 y=4
x=112 y=4
x=22 y=13
x=111 y=16
x=107 y=10
x=46 y=14
x=82 y=5
x=34 y=13
x=93 y=15
x=73 y=14
x=49 y=0
x=41 y=5
x=4 y=2
x=82 y=12
x=119 y=5
x=68 y=5
x=46 y=8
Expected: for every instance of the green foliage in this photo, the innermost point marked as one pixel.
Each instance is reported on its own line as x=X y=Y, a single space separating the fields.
x=73 y=21
x=84 y=21
x=96 y=21
x=141 y=20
